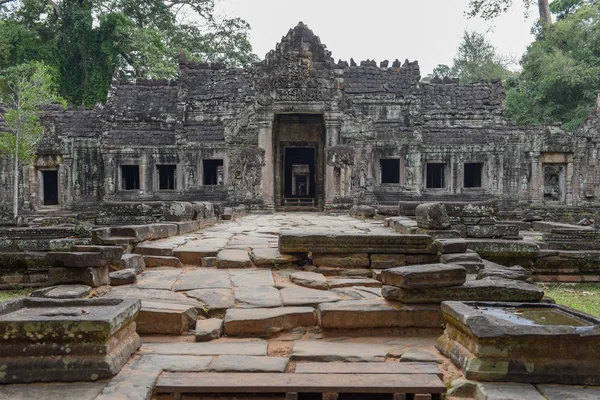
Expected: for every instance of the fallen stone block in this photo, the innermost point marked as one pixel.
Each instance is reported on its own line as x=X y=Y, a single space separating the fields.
x=355 y=260
x=209 y=262
x=239 y=322
x=163 y=247
x=425 y=276
x=515 y=272
x=366 y=314
x=342 y=283
x=165 y=318
x=112 y=254
x=309 y=279
x=194 y=251
x=272 y=256
x=257 y=297
x=299 y=241
x=91 y=276
x=208 y=329
x=63 y=292
x=503 y=249
x=450 y=246
x=345 y=272
x=493 y=231
x=132 y=261
x=234 y=259
x=75 y=260
x=432 y=216
x=227 y=214
x=162 y=261
x=479 y=290
x=123 y=277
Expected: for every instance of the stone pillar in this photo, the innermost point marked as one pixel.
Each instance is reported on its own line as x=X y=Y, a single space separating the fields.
x=265 y=141
x=332 y=175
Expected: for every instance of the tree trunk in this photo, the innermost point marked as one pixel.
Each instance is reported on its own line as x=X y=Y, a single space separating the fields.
x=545 y=15
x=16 y=182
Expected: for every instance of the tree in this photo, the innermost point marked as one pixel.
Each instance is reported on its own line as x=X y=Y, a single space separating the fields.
x=476 y=60
x=441 y=71
x=490 y=9
x=25 y=89
x=561 y=72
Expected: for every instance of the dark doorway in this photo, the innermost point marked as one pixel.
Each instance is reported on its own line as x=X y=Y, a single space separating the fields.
x=436 y=178
x=390 y=171
x=166 y=177
x=473 y=173
x=130 y=177
x=299 y=180
x=212 y=172
x=50 y=187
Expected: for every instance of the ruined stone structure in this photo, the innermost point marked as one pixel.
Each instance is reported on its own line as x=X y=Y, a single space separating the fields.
x=299 y=130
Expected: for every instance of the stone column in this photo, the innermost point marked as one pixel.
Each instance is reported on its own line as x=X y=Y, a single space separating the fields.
x=265 y=141
x=332 y=175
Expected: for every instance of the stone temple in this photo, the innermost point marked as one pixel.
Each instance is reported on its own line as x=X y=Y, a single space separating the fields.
x=301 y=230
x=297 y=131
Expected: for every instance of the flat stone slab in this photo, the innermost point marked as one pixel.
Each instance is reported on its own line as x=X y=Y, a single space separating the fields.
x=413 y=355
x=354 y=260
x=254 y=347
x=267 y=320
x=367 y=368
x=178 y=363
x=109 y=253
x=153 y=295
x=158 y=278
x=478 y=290
x=249 y=364
x=165 y=318
x=63 y=292
x=257 y=297
x=452 y=246
x=359 y=293
x=213 y=299
x=234 y=259
x=272 y=256
x=202 y=278
x=365 y=314
x=193 y=251
x=300 y=241
x=313 y=350
x=208 y=329
x=508 y=391
x=516 y=273
x=295 y=296
x=52 y=391
x=567 y=392
x=310 y=280
x=424 y=276
x=162 y=247
x=252 y=277
x=490 y=248
x=75 y=259
x=342 y=283
x=162 y=261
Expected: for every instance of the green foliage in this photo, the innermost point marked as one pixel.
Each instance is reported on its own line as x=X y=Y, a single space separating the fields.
x=26 y=89
x=582 y=297
x=476 y=60
x=563 y=8
x=561 y=72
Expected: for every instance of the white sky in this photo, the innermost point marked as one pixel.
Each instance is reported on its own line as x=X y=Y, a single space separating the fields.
x=428 y=31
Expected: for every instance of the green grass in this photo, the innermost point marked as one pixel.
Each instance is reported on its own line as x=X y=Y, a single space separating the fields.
x=13 y=294
x=583 y=297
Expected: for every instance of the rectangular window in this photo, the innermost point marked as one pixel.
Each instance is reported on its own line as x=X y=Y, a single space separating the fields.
x=212 y=172
x=166 y=177
x=390 y=171
x=436 y=178
x=130 y=177
x=473 y=175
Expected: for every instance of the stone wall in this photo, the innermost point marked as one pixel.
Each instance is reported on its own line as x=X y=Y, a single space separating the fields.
x=215 y=129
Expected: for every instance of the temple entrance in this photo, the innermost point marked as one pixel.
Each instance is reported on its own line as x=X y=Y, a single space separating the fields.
x=299 y=162
x=49 y=188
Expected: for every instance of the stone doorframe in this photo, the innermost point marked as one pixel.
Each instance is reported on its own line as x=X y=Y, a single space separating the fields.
x=266 y=117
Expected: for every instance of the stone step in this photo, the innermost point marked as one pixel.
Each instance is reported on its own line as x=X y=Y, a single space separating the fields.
x=368 y=368
x=292 y=384
x=342 y=283
x=75 y=259
x=234 y=259
x=193 y=252
x=325 y=351
x=241 y=322
x=162 y=261
x=249 y=364
x=240 y=347
x=163 y=247
x=425 y=276
x=366 y=314
x=299 y=241
x=165 y=318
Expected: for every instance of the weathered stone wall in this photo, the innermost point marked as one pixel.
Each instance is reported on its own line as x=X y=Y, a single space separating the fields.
x=370 y=113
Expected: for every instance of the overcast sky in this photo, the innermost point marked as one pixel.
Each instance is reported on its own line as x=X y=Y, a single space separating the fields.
x=428 y=31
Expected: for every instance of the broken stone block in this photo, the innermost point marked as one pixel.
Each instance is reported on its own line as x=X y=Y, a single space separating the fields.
x=227 y=214
x=123 y=277
x=515 y=272
x=133 y=261
x=385 y=261
x=424 y=276
x=234 y=259
x=163 y=247
x=162 y=261
x=479 y=290
x=112 y=254
x=272 y=256
x=493 y=231
x=257 y=297
x=75 y=260
x=432 y=216
x=165 y=318
x=214 y=300
x=459 y=258
x=295 y=296
x=240 y=322
x=209 y=262
x=194 y=251
x=363 y=212
x=63 y=292
x=91 y=276
x=355 y=260
x=208 y=329
x=309 y=279
x=451 y=246
x=367 y=314
x=301 y=241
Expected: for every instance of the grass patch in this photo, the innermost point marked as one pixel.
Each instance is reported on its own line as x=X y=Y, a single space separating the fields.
x=583 y=297
x=13 y=294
